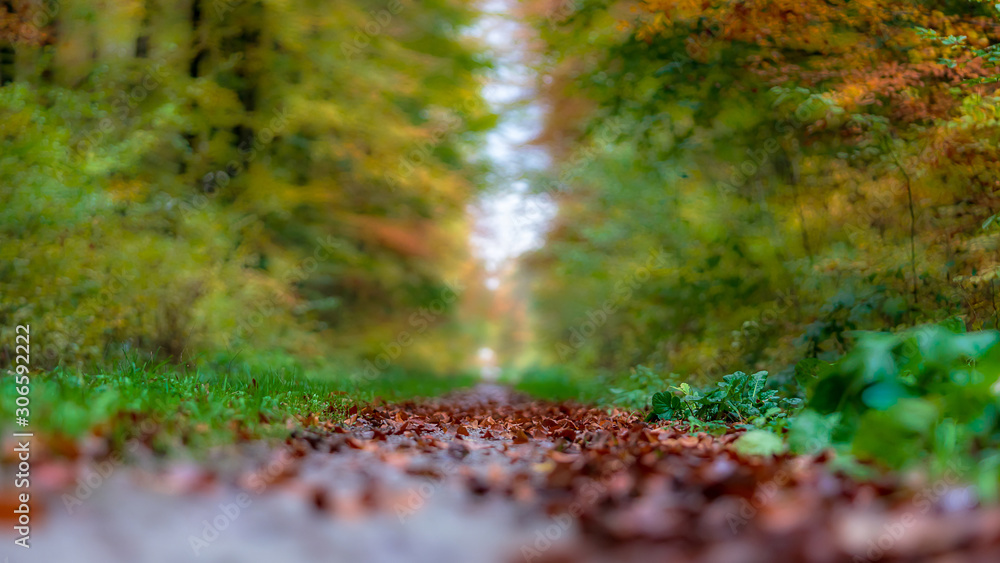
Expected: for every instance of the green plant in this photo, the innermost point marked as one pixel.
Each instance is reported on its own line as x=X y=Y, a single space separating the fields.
x=176 y=411
x=738 y=398
x=634 y=391
x=760 y=442
x=923 y=395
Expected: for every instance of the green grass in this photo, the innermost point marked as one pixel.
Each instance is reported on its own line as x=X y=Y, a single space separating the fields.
x=172 y=410
x=557 y=383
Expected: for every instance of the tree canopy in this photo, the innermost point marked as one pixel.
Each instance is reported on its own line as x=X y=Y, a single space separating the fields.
x=806 y=168
x=196 y=177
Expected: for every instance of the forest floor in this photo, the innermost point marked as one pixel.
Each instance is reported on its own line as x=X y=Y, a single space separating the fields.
x=487 y=475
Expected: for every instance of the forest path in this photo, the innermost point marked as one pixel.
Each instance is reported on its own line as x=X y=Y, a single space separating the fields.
x=486 y=475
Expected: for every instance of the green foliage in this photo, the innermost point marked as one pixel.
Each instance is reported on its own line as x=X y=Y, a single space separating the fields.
x=558 y=383
x=923 y=395
x=634 y=392
x=738 y=398
x=810 y=432
x=218 y=177
x=795 y=188
x=958 y=369
x=173 y=411
x=760 y=442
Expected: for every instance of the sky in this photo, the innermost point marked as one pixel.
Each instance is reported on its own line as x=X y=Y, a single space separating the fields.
x=509 y=220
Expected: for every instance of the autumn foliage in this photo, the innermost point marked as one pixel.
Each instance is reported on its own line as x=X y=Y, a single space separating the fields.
x=812 y=168
x=192 y=179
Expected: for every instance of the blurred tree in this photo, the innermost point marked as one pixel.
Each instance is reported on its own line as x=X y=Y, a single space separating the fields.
x=198 y=176
x=809 y=167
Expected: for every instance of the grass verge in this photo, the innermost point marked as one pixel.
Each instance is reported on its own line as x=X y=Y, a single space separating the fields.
x=172 y=410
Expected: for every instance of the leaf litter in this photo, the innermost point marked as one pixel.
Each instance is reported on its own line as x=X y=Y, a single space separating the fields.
x=489 y=475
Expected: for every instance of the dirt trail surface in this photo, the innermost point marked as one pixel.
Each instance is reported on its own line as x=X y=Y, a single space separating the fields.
x=488 y=476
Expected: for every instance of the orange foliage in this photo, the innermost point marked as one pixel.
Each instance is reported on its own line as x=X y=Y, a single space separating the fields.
x=863 y=53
